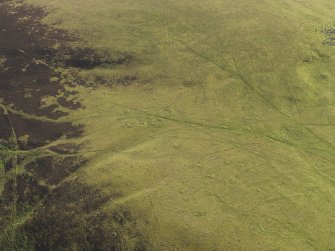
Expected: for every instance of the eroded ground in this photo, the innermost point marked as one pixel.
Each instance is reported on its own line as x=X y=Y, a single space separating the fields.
x=40 y=208
x=168 y=125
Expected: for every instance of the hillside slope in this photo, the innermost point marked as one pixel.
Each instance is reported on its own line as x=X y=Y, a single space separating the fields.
x=209 y=127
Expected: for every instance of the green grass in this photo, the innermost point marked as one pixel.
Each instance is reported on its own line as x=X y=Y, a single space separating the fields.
x=225 y=140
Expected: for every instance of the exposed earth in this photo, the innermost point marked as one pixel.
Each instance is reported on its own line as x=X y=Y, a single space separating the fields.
x=35 y=185
x=167 y=125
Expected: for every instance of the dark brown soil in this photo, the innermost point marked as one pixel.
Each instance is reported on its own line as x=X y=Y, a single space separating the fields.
x=28 y=191
x=53 y=170
x=87 y=58
x=61 y=224
x=54 y=213
x=68 y=103
x=329 y=36
x=5 y=130
x=41 y=132
x=27 y=48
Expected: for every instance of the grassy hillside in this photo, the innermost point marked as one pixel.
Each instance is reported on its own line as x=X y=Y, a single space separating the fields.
x=219 y=132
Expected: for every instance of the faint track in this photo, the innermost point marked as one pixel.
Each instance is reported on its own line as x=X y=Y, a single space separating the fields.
x=236 y=71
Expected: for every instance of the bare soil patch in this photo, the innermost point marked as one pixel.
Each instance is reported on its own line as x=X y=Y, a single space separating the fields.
x=53 y=170
x=27 y=47
x=78 y=226
x=40 y=132
x=329 y=36
x=54 y=214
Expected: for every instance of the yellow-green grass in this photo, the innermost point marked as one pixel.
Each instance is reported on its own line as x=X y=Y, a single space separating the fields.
x=226 y=139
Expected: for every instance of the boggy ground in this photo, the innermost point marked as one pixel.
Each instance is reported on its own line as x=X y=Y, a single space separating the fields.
x=39 y=209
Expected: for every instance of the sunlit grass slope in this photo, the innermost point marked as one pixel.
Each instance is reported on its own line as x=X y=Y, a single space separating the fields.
x=225 y=140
